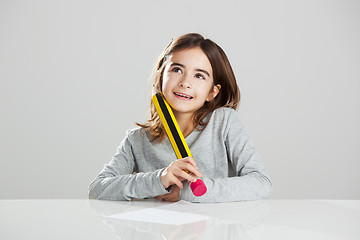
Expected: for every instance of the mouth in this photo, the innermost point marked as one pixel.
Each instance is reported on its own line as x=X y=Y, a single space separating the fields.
x=183 y=96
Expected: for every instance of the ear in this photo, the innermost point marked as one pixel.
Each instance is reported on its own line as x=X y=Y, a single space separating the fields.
x=213 y=93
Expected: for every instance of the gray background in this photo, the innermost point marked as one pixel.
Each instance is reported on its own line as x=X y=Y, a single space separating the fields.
x=75 y=75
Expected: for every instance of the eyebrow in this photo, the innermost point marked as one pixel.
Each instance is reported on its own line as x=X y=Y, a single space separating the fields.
x=197 y=69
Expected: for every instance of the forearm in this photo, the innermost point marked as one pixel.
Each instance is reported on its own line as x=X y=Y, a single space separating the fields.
x=252 y=186
x=127 y=187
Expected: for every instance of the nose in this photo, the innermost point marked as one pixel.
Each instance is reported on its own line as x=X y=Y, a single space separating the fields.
x=185 y=83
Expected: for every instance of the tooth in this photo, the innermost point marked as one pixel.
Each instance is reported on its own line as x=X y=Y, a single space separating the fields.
x=182 y=95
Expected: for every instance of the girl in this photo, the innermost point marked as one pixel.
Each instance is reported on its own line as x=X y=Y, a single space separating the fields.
x=197 y=81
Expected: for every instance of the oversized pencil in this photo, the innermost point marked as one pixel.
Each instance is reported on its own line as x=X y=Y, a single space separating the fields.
x=176 y=137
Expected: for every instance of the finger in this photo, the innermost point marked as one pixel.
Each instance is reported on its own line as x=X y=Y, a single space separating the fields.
x=176 y=181
x=159 y=197
x=189 y=167
x=162 y=197
x=184 y=166
x=171 y=200
x=191 y=161
x=182 y=175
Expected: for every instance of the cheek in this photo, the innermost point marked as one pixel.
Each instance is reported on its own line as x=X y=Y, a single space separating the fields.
x=165 y=79
x=169 y=80
x=203 y=90
x=167 y=84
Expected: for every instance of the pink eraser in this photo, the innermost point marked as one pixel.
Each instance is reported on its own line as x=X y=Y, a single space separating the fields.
x=198 y=187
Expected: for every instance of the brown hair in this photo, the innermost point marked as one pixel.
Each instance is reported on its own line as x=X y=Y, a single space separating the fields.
x=228 y=96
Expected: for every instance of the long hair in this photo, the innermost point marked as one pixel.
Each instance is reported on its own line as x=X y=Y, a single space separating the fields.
x=228 y=96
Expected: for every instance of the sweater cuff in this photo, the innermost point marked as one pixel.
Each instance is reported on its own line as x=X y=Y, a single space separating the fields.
x=159 y=188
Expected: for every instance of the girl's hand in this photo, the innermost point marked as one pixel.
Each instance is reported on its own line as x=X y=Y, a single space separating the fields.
x=173 y=196
x=175 y=172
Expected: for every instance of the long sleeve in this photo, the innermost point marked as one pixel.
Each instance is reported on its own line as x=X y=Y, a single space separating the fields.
x=232 y=170
x=119 y=179
x=250 y=181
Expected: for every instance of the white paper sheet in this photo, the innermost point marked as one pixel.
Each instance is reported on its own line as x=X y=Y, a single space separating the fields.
x=172 y=214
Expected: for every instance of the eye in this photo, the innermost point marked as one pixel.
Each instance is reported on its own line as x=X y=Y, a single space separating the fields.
x=176 y=69
x=199 y=75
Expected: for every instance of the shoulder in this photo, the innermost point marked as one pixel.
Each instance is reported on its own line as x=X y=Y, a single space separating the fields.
x=134 y=131
x=225 y=114
x=225 y=111
x=226 y=118
x=136 y=134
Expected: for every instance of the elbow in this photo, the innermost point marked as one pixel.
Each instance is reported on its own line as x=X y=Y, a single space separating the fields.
x=93 y=193
x=263 y=187
x=260 y=185
x=267 y=187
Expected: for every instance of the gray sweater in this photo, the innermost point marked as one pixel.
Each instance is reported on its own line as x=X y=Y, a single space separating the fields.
x=232 y=170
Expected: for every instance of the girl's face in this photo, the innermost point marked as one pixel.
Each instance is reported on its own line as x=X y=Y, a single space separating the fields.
x=188 y=81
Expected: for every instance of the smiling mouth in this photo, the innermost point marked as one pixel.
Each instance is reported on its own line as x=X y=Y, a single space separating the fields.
x=183 y=95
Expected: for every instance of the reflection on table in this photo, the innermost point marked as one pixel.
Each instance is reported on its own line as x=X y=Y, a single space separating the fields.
x=266 y=219
x=227 y=220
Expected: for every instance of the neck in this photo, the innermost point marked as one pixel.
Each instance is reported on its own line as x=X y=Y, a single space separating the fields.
x=185 y=122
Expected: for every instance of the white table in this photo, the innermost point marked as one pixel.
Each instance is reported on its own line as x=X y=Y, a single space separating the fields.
x=267 y=219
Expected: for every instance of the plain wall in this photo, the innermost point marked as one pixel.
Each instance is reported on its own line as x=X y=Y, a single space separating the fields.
x=75 y=75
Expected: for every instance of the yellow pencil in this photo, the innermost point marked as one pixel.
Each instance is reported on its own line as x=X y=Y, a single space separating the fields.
x=176 y=137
